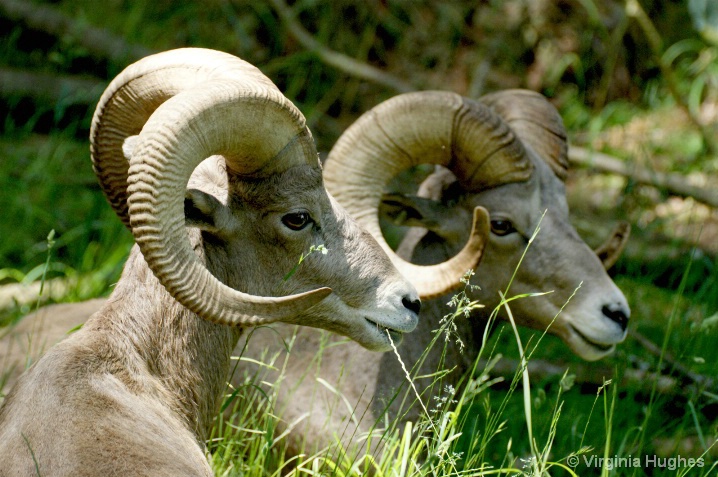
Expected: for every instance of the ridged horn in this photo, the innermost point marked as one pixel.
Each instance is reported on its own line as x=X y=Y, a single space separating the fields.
x=196 y=103
x=537 y=122
x=610 y=251
x=132 y=97
x=429 y=127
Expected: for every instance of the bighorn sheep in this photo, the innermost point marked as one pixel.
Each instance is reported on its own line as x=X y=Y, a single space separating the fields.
x=521 y=184
x=517 y=174
x=134 y=392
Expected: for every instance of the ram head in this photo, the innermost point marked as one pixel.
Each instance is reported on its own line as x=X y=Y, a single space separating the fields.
x=505 y=154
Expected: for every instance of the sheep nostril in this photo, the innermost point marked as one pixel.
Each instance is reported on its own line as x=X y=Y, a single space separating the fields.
x=413 y=304
x=616 y=314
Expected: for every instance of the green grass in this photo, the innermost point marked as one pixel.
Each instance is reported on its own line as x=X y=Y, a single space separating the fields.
x=481 y=429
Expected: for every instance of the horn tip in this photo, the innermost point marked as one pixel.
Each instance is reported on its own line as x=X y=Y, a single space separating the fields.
x=480 y=231
x=319 y=294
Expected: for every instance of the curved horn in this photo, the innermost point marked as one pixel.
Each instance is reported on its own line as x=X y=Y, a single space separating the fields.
x=132 y=97
x=612 y=248
x=425 y=128
x=535 y=120
x=232 y=110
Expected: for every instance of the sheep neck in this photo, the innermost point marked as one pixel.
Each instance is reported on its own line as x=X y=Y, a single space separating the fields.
x=166 y=350
x=468 y=331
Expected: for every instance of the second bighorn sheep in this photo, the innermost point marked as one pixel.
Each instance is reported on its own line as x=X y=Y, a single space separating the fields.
x=135 y=391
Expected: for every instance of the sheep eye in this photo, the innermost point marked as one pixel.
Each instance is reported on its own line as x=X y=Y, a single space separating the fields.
x=502 y=227
x=296 y=220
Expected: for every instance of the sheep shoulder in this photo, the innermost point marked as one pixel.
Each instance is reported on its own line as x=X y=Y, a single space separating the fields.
x=90 y=378
x=26 y=341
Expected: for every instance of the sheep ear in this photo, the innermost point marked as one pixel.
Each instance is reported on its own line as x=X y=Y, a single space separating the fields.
x=612 y=248
x=129 y=145
x=203 y=210
x=413 y=211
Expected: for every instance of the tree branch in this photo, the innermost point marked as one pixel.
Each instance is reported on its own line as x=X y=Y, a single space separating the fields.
x=51 y=20
x=593 y=374
x=672 y=183
x=56 y=88
x=668 y=360
x=19 y=294
x=338 y=60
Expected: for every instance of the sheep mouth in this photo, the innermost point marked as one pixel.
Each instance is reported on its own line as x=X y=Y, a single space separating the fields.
x=396 y=335
x=600 y=346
